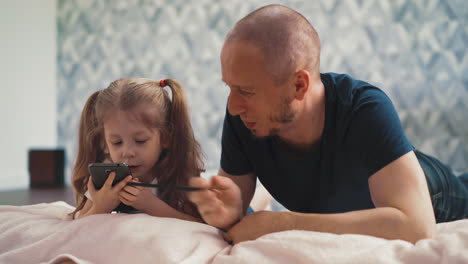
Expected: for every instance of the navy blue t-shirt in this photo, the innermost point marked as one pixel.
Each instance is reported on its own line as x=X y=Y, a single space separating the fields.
x=362 y=134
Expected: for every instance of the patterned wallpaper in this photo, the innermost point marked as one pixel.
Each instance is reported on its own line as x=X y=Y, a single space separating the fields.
x=415 y=50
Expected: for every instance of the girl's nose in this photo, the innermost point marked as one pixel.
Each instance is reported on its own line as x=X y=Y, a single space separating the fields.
x=128 y=152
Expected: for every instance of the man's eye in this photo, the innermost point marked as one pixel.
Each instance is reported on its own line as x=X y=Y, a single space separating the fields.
x=247 y=93
x=140 y=141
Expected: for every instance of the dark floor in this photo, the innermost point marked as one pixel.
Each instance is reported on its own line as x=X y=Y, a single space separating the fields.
x=37 y=195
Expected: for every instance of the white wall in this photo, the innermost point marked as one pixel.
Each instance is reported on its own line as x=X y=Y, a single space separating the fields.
x=27 y=85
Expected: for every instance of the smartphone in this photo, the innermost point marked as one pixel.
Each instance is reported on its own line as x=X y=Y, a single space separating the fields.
x=100 y=171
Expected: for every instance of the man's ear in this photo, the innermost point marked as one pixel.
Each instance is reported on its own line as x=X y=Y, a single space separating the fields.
x=301 y=83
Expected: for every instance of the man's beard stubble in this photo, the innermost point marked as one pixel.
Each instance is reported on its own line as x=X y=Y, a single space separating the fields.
x=284 y=115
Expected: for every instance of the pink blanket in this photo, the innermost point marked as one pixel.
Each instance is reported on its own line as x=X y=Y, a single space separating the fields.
x=41 y=233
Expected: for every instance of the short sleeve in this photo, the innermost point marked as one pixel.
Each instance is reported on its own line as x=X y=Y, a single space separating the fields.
x=375 y=134
x=234 y=158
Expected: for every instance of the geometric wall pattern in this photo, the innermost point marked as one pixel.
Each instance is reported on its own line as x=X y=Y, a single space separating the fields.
x=415 y=50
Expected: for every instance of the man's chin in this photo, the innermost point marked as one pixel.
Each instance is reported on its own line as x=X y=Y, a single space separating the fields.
x=262 y=136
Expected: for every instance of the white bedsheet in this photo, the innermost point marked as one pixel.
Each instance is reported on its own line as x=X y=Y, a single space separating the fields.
x=40 y=233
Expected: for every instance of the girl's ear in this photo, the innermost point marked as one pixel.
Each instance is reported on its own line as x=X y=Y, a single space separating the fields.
x=164 y=139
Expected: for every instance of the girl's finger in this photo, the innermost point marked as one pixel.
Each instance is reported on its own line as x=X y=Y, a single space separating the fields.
x=132 y=189
x=119 y=186
x=91 y=188
x=126 y=196
x=109 y=180
x=123 y=200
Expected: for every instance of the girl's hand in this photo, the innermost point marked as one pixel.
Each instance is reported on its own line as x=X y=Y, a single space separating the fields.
x=106 y=198
x=138 y=197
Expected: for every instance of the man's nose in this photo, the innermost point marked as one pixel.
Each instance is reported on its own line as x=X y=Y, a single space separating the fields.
x=236 y=105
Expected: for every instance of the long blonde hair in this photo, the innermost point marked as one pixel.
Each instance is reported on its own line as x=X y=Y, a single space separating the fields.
x=183 y=158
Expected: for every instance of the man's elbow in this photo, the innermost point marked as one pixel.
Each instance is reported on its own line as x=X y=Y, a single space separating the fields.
x=421 y=232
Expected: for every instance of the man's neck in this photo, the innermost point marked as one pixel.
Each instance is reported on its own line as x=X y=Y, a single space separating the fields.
x=306 y=130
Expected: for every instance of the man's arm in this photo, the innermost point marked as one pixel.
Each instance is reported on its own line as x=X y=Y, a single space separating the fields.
x=403 y=210
x=224 y=198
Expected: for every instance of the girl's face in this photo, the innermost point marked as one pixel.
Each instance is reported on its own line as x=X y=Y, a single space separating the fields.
x=130 y=141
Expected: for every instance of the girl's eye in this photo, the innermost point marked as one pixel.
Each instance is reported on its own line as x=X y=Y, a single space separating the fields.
x=140 y=141
x=116 y=143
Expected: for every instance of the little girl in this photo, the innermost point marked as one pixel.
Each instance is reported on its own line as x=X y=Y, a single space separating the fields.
x=134 y=121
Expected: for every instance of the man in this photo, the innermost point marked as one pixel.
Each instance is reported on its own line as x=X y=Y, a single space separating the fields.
x=328 y=147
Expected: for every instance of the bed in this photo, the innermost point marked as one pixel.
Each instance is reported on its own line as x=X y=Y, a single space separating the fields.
x=43 y=233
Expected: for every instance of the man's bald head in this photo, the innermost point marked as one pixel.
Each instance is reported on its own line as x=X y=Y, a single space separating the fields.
x=287 y=40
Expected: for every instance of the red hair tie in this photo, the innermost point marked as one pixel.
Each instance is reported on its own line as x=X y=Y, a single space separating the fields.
x=162 y=83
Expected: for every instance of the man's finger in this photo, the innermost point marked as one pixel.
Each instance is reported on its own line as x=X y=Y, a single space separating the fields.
x=198 y=182
x=211 y=207
x=221 y=183
x=201 y=196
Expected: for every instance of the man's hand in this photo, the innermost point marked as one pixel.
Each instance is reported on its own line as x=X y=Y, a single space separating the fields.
x=136 y=196
x=220 y=201
x=106 y=198
x=256 y=225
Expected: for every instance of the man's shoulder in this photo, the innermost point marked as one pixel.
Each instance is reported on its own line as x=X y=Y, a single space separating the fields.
x=344 y=80
x=349 y=90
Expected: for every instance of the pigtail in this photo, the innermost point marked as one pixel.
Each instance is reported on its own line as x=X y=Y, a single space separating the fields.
x=184 y=156
x=89 y=150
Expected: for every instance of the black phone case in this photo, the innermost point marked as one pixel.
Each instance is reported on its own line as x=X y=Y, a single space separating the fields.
x=100 y=171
